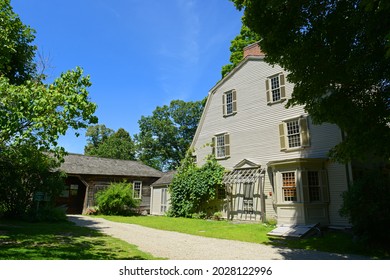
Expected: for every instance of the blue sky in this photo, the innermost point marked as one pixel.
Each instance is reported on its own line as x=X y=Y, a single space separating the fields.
x=140 y=54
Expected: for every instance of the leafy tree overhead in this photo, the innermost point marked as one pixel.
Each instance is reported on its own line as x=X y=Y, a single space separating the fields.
x=104 y=142
x=166 y=135
x=33 y=114
x=36 y=113
x=32 y=111
x=338 y=56
x=16 y=49
x=245 y=38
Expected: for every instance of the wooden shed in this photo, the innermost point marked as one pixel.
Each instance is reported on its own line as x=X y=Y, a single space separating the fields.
x=160 y=195
x=89 y=174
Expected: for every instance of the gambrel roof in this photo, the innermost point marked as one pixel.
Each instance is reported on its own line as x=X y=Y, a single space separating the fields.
x=92 y=165
x=217 y=85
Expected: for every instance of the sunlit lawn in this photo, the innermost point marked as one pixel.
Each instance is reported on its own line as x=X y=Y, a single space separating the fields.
x=330 y=241
x=61 y=241
x=256 y=233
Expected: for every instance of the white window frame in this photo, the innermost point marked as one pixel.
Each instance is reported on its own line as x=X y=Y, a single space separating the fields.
x=229 y=103
x=220 y=148
x=275 y=88
x=137 y=191
x=221 y=145
x=164 y=200
x=294 y=134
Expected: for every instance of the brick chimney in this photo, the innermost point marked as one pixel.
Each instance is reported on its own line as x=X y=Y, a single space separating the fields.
x=253 y=50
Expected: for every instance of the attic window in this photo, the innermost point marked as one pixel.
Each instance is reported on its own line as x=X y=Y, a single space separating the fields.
x=229 y=103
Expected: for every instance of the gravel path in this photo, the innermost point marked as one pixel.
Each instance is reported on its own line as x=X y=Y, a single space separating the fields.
x=180 y=246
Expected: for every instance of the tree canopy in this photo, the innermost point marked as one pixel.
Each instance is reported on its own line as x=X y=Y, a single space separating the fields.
x=337 y=54
x=245 y=38
x=33 y=114
x=104 y=142
x=16 y=50
x=31 y=111
x=166 y=135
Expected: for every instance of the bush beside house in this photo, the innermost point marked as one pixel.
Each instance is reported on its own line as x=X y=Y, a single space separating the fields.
x=194 y=190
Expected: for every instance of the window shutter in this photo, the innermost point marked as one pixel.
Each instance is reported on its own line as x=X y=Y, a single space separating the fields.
x=234 y=95
x=213 y=146
x=305 y=186
x=282 y=86
x=227 y=145
x=324 y=186
x=305 y=141
x=267 y=90
x=282 y=137
x=224 y=104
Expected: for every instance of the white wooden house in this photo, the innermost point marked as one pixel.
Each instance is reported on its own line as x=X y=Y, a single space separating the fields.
x=276 y=156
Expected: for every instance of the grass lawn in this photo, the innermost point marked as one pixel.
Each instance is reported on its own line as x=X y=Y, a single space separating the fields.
x=61 y=241
x=330 y=241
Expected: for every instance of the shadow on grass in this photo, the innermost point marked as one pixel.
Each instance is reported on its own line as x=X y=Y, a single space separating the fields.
x=60 y=241
x=329 y=245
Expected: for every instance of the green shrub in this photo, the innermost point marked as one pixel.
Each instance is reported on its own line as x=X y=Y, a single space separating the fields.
x=47 y=213
x=367 y=206
x=117 y=199
x=194 y=189
x=24 y=172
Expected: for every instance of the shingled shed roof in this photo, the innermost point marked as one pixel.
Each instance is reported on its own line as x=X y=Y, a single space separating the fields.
x=91 y=165
x=166 y=179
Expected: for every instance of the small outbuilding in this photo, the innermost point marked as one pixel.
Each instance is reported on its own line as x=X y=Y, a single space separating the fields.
x=89 y=174
x=160 y=194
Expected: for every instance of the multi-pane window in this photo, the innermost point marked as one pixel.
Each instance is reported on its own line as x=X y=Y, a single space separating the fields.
x=293 y=134
x=137 y=189
x=289 y=186
x=220 y=146
x=275 y=88
x=314 y=186
x=229 y=102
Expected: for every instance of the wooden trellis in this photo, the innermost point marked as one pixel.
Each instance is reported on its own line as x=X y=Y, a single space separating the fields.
x=236 y=180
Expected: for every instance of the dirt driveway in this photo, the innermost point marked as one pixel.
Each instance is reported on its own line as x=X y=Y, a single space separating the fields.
x=180 y=246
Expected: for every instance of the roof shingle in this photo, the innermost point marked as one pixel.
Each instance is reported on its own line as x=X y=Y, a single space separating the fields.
x=91 y=165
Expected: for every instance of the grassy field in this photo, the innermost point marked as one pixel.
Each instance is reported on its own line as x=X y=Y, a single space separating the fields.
x=330 y=241
x=65 y=241
x=61 y=241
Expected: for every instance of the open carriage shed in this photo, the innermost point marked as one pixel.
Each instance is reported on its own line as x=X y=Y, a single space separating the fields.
x=89 y=174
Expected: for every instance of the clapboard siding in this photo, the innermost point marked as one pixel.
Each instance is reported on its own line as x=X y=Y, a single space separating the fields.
x=254 y=131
